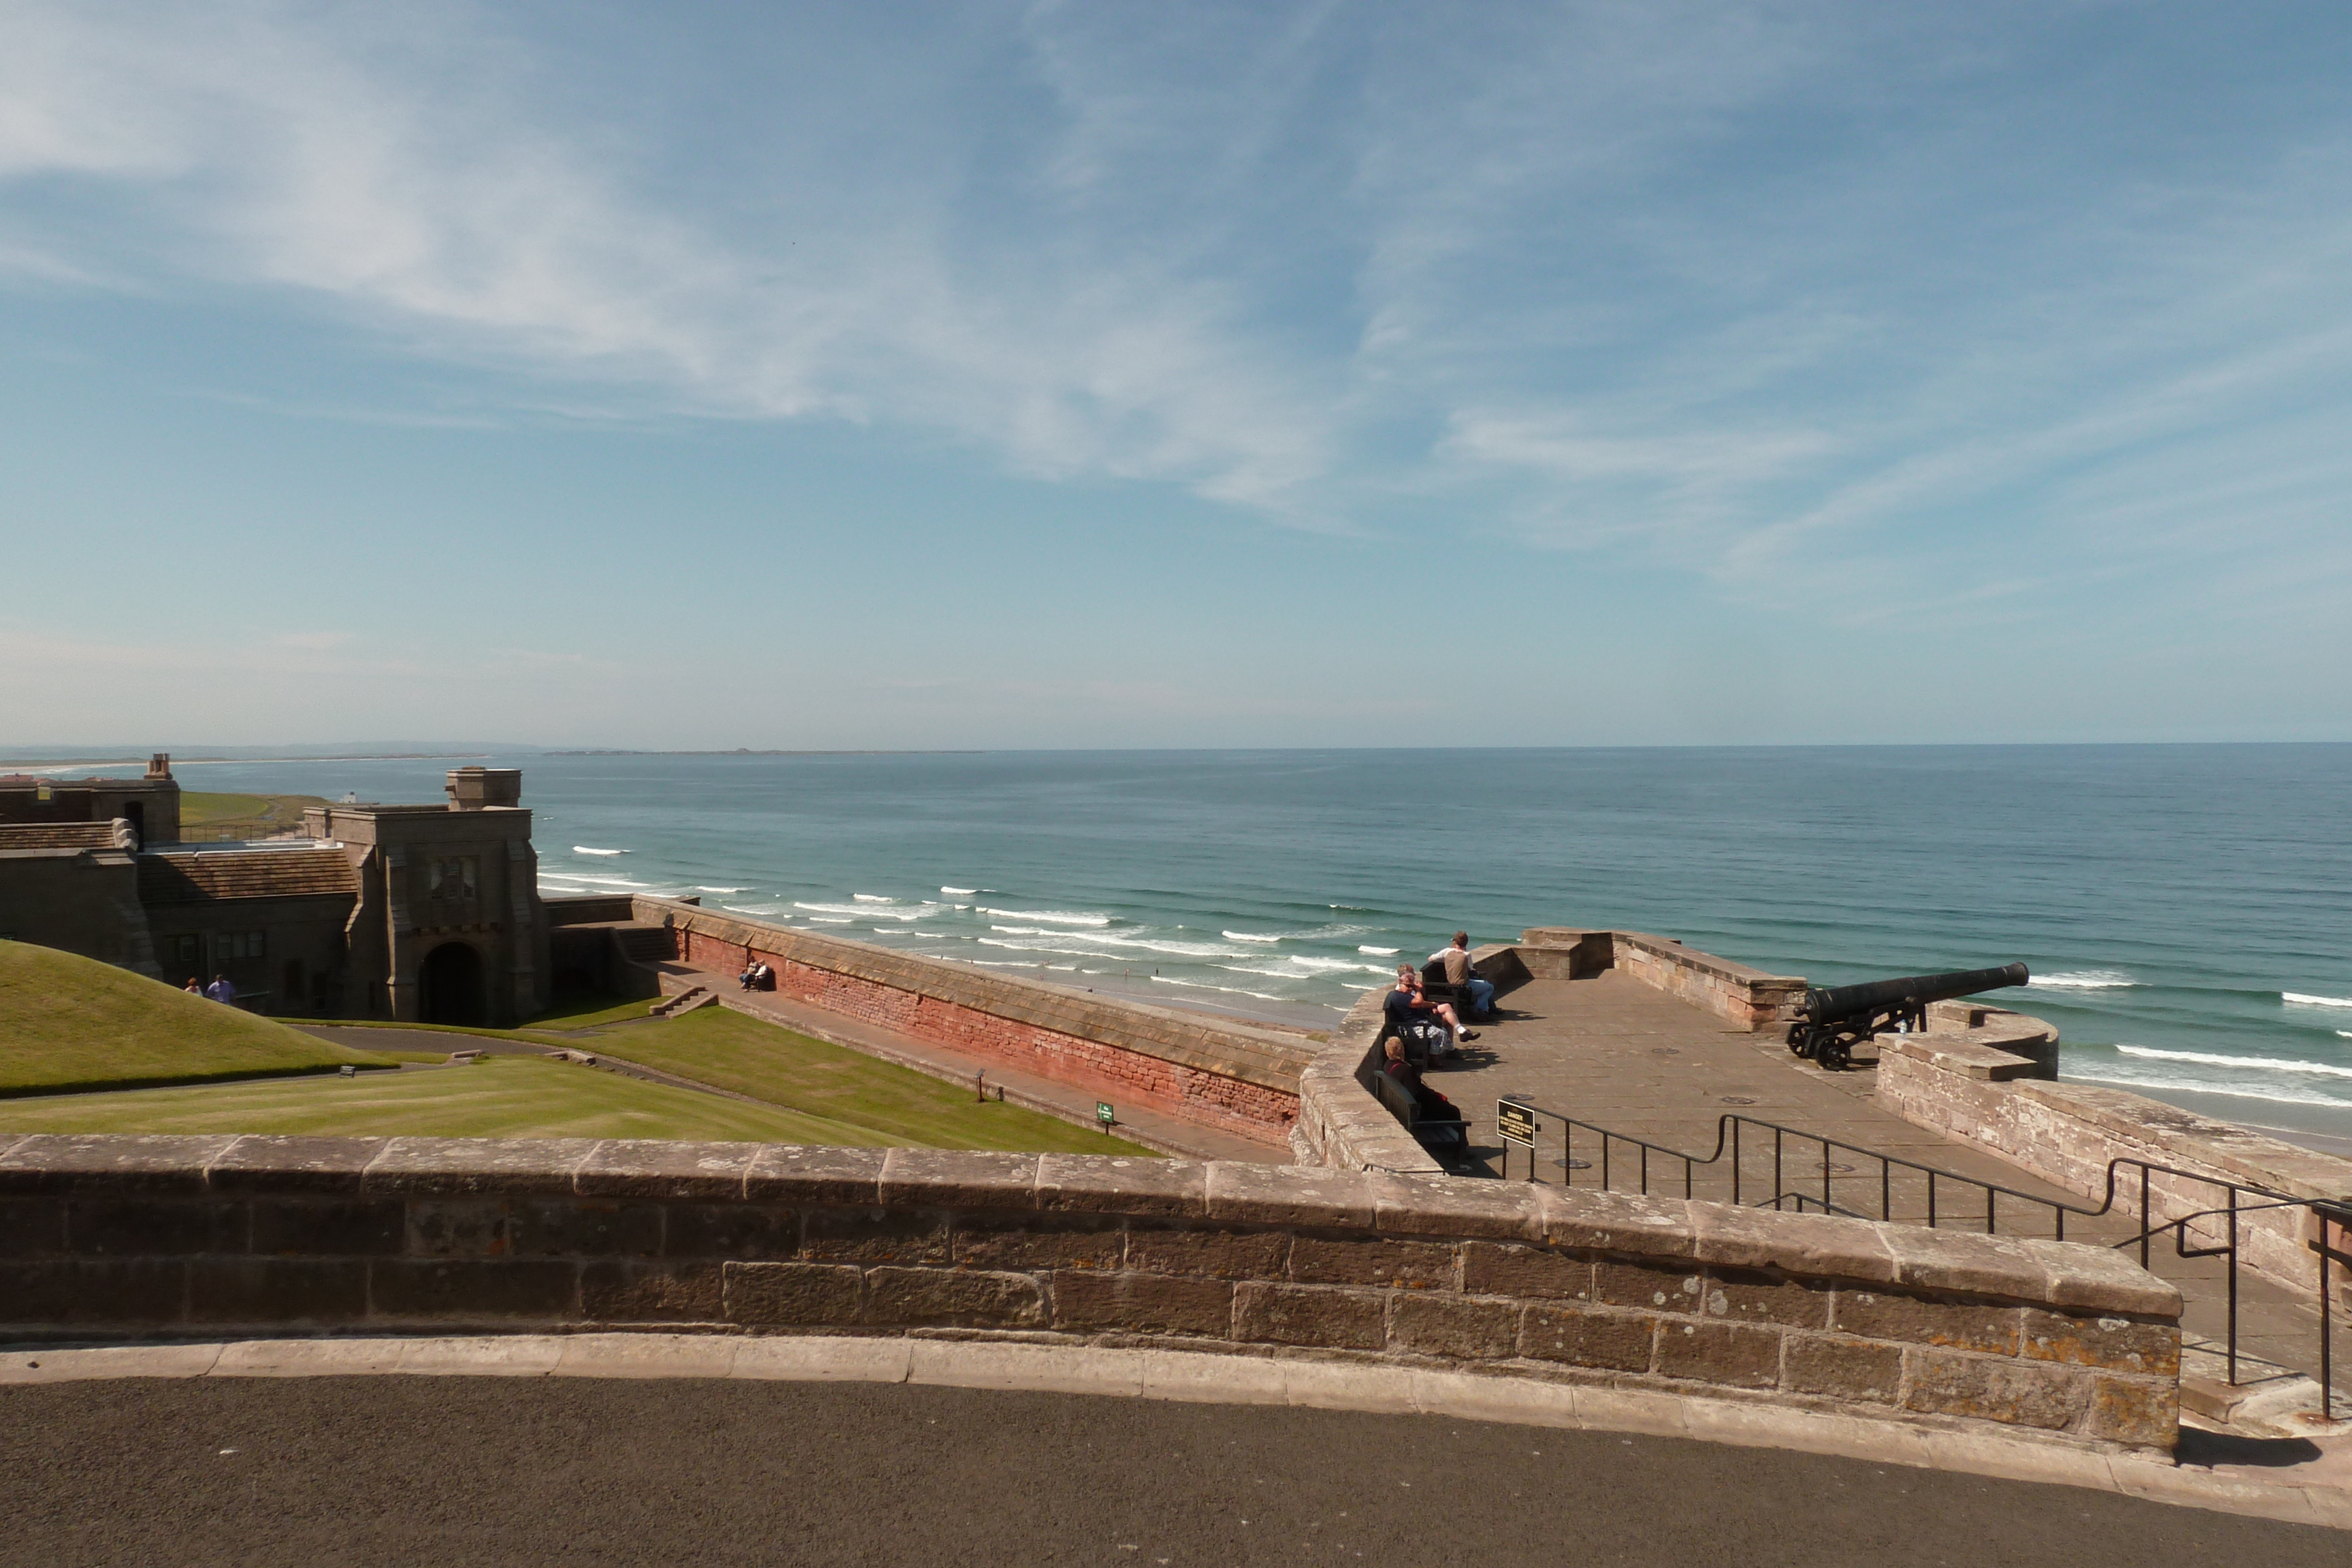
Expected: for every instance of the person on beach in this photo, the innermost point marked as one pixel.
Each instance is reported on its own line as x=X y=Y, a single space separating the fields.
x=1455 y=961
x=1427 y=1101
x=220 y=990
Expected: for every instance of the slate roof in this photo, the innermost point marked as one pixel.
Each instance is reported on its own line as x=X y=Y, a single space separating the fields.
x=58 y=836
x=200 y=876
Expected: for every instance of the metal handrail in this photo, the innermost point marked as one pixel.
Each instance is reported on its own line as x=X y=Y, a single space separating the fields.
x=1728 y=1131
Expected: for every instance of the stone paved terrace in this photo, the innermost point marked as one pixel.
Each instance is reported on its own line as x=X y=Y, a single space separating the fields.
x=1613 y=1051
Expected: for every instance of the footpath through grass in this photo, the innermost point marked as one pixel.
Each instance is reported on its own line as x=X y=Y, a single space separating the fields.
x=499 y=1097
x=67 y=1022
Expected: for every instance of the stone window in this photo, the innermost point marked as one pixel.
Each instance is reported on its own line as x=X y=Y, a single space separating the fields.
x=184 y=949
x=231 y=944
x=454 y=879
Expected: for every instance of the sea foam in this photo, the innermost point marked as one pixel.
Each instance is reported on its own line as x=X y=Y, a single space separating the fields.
x=2215 y=1058
x=1252 y=936
x=584 y=850
x=1051 y=916
x=958 y=892
x=1379 y=952
x=2086 y=980
x=2310 y=1001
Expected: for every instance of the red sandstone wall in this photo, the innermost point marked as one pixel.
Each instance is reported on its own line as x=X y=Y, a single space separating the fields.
x=1113 y=1071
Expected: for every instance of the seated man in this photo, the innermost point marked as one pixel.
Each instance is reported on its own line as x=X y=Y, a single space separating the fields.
x=1456 y=960
x=1427 y=1102
x=756 y=977
x=1411 y=1012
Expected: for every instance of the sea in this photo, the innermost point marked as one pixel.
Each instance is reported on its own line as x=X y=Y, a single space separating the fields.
x=2186 y=910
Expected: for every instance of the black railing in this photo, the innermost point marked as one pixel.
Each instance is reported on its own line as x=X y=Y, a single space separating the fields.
x=1909 y=1192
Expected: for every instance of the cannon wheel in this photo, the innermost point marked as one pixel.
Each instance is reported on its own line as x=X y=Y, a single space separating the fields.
x=1834 y=1052
x=1801 y=1039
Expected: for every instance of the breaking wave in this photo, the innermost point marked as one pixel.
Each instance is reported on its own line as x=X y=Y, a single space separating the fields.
x=1051 y=916
x=1252 y=936
x=867 y=910
x=2309 y=1001
x=958 y=892
x=1379 y=952
x=2086 y=980
x=584 y=850
x=722 y=890
x=2258 y=1063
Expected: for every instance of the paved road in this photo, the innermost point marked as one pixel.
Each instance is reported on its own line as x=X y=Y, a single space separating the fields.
x=495 y=1470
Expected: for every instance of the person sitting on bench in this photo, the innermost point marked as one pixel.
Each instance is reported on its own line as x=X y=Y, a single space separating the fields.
x=1410 y=1012
x=1432 y=1106
x=1455 y=961
x=756 y=977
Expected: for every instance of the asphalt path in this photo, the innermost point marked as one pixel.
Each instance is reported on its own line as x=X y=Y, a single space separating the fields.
x=458 y=1470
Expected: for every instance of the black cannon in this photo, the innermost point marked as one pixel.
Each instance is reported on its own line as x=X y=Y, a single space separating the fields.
x=1836 y=1019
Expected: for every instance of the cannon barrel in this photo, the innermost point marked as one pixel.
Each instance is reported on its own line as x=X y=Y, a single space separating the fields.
x=1833 y=1004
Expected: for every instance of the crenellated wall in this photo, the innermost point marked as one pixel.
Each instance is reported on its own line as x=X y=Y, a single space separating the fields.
x=220 y=1235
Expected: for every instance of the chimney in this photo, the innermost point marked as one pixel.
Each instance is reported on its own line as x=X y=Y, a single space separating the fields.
x=160 y=764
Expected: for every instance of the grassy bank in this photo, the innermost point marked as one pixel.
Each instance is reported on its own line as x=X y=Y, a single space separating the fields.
x=70 y=1021
x=204 y=816
x=502 y=1097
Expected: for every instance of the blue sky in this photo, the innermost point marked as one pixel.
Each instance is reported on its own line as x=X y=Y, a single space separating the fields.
x=1145 y=375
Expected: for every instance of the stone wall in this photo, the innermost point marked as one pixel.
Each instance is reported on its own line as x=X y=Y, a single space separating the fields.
x=110 y=1236
x=2067 y=1132
x=1217 y=1072
x=1749 y=997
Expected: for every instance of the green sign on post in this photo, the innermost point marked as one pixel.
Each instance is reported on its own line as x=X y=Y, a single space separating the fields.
x=1103 y=1115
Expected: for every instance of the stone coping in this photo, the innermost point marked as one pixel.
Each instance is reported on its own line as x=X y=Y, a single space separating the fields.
x=1200 y=1376
x=1268 y=1058
x=2061 y=1274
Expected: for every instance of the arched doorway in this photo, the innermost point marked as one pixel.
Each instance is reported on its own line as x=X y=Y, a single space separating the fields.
x=451 y=984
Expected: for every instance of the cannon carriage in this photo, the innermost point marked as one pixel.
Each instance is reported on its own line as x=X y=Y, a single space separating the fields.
x=1836 y=1019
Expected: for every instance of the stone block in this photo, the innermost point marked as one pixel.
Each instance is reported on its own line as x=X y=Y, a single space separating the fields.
x=1404 y=1265
x=463 y=1227
x=649 y=1168
x=472 y=1288
x=329 y=1227
x=2119 y=1344
x=586 y=1228
x=1818 y=1246
x=1739 y=1355
x=2102 y=1279
x=1454 y=1206
x=874 y=1236
x=1951 y=1324
x=92 y=1290
x=2015 y=1393
x=743 y=1230
x=1218 y=1254
x=806 y=1294
x=32 y=1227
x=278 y=1291
x=1618 y=1341
x=1617 y=1222
x=958 y=1178
x=456 y=1167
x=2144 y=1413
x=1653 y=1288
x=111 y=1164
x=1841 y=1368
x=1330 y=1316
x=965 y=1298
x=1492 y=1269
x=649 y=1355
x=1752 y=1296
x=1467 y=1328
x=1960 y=1260
x=793 y=1174
x=1123 y=1185
x=1143 y=1303
x=1246 y=1194
x=279 y=1164
x=157 y=1227
x=1017 y=1243
x=621 y=1291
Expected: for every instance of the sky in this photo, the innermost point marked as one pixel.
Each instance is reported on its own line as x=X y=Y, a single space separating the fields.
x=1135 y=375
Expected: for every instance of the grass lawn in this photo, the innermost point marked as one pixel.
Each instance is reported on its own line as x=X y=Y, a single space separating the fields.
x=67 y=1020
x=711 y=1045
x=500 y=1097
x=242 y=816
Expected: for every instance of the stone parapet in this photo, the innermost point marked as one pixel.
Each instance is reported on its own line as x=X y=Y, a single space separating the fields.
x=2069 y=1134
x=222 y=1236
x=1749 y=997
x=1217 y=1072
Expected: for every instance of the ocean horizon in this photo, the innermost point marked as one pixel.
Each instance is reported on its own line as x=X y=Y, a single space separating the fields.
x=2186 y=909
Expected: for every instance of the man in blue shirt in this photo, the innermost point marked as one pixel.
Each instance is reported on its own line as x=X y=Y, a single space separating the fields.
x=220 y=990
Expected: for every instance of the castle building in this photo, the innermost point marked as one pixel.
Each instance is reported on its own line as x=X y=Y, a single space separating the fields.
x=424 y=914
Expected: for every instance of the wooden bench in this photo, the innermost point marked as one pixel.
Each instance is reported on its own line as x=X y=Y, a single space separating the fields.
x=1453 y=1136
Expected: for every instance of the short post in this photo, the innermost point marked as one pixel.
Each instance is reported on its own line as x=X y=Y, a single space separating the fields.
x=980 y=1085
